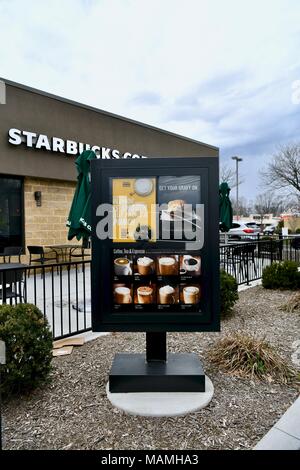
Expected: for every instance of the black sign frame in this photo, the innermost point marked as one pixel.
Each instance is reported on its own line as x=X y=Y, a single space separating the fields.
x=103 y=318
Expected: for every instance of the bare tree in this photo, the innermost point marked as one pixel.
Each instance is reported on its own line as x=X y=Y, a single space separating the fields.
x=227 y=175
x=293 y=203
x=283 y=172
x=244 y=208
x=268 y=203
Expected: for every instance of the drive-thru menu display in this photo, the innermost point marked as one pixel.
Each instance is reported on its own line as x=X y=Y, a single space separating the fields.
x=145 y=280
x=147 y=275
x=149 y=279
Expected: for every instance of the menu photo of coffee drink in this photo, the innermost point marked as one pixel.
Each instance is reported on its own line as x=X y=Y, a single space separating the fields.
x=144 y=295
x=122 y=295
x=190 y=295
x=190 y=265
x=167 y=295
x=144 y=265
x=167 y=265
x=123 y=265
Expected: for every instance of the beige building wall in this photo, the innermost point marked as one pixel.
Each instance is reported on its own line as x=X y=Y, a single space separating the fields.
x=46 y=225
x=292 y=223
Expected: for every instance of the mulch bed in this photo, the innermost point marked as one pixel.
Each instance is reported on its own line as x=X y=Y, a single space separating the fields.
x=72 y=412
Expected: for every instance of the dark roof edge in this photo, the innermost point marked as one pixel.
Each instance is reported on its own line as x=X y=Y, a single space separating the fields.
x=106 y=113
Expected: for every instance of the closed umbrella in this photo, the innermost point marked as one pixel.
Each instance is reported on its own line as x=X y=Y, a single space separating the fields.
x=225 y=207
x=79 y=220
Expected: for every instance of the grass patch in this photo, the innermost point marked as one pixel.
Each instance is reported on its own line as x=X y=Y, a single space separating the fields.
x=293 y=304
x=245 y=356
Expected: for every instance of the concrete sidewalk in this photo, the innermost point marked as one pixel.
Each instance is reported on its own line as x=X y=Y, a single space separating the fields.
x=255 y=283
x=285 y=434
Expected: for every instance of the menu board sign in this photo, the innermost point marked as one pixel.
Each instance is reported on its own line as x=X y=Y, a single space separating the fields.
x=147 y=280
x=146 y=274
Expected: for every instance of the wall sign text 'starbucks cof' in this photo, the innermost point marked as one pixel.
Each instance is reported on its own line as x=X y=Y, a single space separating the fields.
x=64 y=146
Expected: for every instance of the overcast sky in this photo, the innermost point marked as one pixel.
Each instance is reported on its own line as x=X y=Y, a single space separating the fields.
x=217 y=71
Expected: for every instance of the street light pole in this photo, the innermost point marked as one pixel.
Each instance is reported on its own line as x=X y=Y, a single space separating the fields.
x=237 y=160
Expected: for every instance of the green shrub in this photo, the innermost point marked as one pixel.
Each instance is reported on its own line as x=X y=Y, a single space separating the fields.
x=282 y=275
x=297 y=230
x=28 y=342
x=229 y=293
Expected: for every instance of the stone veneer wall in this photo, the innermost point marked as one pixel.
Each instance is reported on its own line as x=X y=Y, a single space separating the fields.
x=46 y=224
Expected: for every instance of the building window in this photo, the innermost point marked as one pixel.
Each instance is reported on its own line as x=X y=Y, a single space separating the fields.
x=11 y=212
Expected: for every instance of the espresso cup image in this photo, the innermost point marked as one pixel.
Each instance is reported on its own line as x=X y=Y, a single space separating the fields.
x=122 y=266
x=145 y=266
x=191 y=294
x=167 y=266
x=145 y=295
x=167 y=295
x=122 y=295
x=191 y=264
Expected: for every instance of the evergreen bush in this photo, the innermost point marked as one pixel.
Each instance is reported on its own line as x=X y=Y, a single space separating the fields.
x=28 y=341
x=229 y=293
x=282 y=275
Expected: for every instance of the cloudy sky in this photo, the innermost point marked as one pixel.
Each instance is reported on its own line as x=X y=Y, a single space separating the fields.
x=217 y=71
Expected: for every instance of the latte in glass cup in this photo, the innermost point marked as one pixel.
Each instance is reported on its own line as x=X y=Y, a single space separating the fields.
x=145 y=295
x=167 y=295
x=122 y=295
x=145 y=265
x=167 y=266
x=191 y=294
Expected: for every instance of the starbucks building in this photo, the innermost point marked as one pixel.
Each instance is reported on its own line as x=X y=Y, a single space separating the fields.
x=40 y=137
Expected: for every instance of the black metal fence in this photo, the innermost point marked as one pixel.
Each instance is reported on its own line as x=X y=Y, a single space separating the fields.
x=61 y=291
x=63 y=294
x=246 y=260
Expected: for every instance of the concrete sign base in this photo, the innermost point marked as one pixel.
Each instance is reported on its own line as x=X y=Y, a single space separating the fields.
x=159 y=404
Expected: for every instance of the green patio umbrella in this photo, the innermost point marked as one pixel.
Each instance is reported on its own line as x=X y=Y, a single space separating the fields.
x=225 y=207
x=79 y=220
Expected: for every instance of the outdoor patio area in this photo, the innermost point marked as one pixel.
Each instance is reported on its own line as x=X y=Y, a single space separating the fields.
x=62 y=292
x=64 y=298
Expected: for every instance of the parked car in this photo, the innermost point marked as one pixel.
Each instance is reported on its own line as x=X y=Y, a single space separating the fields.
x=240 y=231
x=254 y=226
x=269 y=230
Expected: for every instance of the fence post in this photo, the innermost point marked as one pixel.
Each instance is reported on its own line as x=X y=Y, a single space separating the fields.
x=247 y=266
x=4 y=287
x=271 y=250
x=280 y=246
